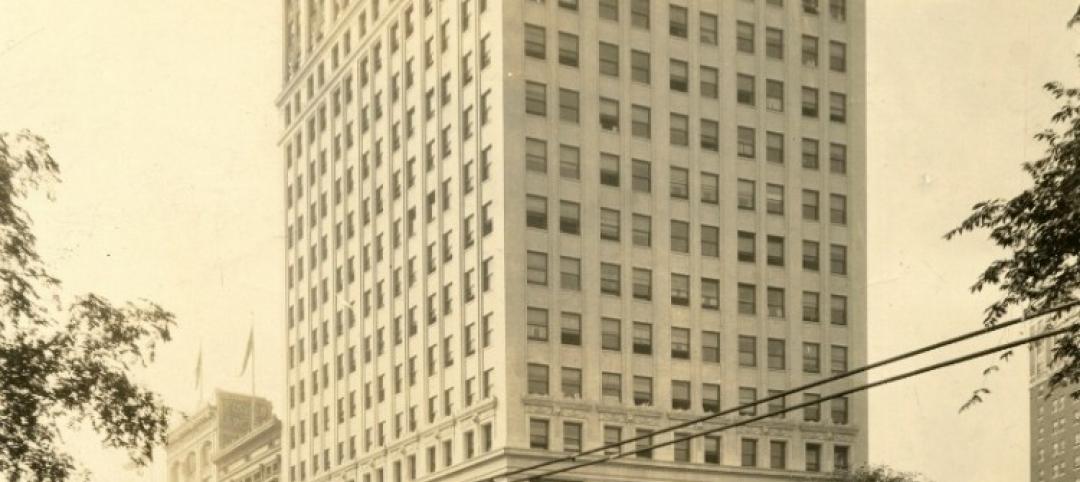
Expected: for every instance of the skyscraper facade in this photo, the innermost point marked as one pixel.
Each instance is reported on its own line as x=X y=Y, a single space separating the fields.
x=518 y=229
x=1055 y=415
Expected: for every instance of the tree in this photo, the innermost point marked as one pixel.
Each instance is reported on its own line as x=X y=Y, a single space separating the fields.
x=1040 y=231
x=65 y=362
x=879 y=473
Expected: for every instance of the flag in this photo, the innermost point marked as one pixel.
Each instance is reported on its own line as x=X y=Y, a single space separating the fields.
x=198 y=370
x=249 y=350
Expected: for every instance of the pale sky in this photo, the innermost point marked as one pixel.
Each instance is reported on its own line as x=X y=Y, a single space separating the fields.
x=161 y=115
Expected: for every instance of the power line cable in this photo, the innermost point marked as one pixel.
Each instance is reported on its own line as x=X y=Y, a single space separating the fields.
x=840 y=394
x=1027 y=316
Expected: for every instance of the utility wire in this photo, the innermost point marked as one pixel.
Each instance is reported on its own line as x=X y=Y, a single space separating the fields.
x=807 y=386
x=843 y=393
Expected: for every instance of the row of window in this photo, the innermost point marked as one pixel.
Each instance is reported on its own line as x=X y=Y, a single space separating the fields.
x=683 y=449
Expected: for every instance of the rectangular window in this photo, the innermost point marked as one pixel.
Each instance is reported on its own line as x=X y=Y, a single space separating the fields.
x=811 y=357
x=774 y=147
x=746 y=140
x=640 y=67
x=837 y=158
x=568 y=49
x=745 y=194
x=710 y=188
x=680 y=348
x=747 y=396
x=538 y=434
x=610 y=279
x=642 y=230
x=810 y=258
x=569 y=217
x=569 y=162
x=641 y=121
x=609 y=59
x=610 y=226
x=810 y=153
x=572 y=434
x=611 y=388
x=609 y=9
x=537 y=320
x=745 y=89
x=710 y=135
x=809 y=51
x=642 y=338
x=535 y=155
x=747 y=351
x=811 y=307
x=712 y=449
x=838 y=10
x=536 y=98
x=837 y=56
x=609 y=169
x=609 y=115
x=838 y=259
x=537 y=268
x=536 y=212
x=812 y=412
x=535 y=42
x=774 y=199
x=813 y=457
x=570 y=327
x=838 y=314
x=710 y=397
x=777 y=354
x=809 y=102
x=810 y=205
x=678 y=21
x=746 y=246
x=571 y=382
x=641 y=175
x=749 y=452
x=710 y=294
x=777 y=454
x=680 y=236
x=639 y=14
x=611 y=334
x=839 y=359
x=680 y=183
x=774 y=43
x=774 y=95
x=641 y=447
x=744 y=37
x=642 y=281
x=838 y=209
x=643 y=391
x=682 y=448
x=837 y=107
x=841 y=458
x=710 y=82
x=679 y=76
x=570 y=273
x=680 y=395
x=774 y=250
x=710 y=346
x=537 y=379
x=747 y=299
x=612 y=435
x=569 y=106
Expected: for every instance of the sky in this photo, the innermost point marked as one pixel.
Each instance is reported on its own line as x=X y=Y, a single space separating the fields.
x=161 y=115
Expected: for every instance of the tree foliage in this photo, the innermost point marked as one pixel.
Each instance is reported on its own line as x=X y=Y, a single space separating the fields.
x=879 y=473
x=64 y=361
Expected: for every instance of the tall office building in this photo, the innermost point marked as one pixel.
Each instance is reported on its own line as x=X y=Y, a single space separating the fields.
x=521 y=228
x=1055 y=415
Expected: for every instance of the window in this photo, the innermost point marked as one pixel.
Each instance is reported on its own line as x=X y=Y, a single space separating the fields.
x=642 y=230
x=680 y=183
x=710 y=188
x=747 y=397
x=535 y=155
x=643 y=392
x=775 y=300
x=810 y=7
x=641 y=447
x=642 y=338
x=569 y=217
x=679 y=76
x=837 y=56
x=746 y=246
x=839 y=359
x=838 y=259
x=538 y=434
x=680 y=236
x=712 y=449
x=680 y=348
x=710 y=346
x=609 y=115
x=838 y=310
x=680 y=395
x=569 y=162
x=682 y=448
x=710 y=135
x=812 y=412
x=639 y=13
x=811 y=357
x=641 y=175
x=746 y=142
x=537 y=268
x=744 y=37
x=774 y=199
x=609 y=59
x=774 y=95
x=838 y=209
x=570 y=327
x=537 y=320
x=813 y=456
x=611 y=334
x=642 y=281
x=710 y=26
x=811 y=306
x=678 y=22
x=809 y=51
x=535 y=98
x=810 y=153
x=744 y=89
x=572 y=436
x=749 y=452
x=640 y=67
x=609 y=169
x=838 y=10
x=611 y=388
x=609 y=224
x=810 y=205
x=568 y=49
x=571 y=382
x=747 y=351
x=641 y=121
x=777 y=354
x=774 y=43
x=610 y=279
x=710 y=397
x=536 y=212
x=837 y=107
x=569 y=106
x=569 y=4
x=609 y=9
x=747 y=299
x=745 y=193
x=538 y=379
x=774 y=250
x=535 y=42
x=570 y=273
x=777 y=454
x=837 y=158
x=810 y=255
x=710 y=82
x=809 y=102
x=710 y=294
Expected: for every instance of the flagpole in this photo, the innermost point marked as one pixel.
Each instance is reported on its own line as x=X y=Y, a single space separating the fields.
x=252 y=335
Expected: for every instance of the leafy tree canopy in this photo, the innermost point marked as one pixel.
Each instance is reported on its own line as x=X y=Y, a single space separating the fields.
x=879 y=473
x=64 y=361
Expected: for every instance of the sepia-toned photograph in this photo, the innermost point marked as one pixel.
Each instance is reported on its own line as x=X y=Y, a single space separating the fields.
x=540 y=241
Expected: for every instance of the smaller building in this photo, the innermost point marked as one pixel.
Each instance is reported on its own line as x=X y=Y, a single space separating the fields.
x=254 y=457
x=228 y=428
